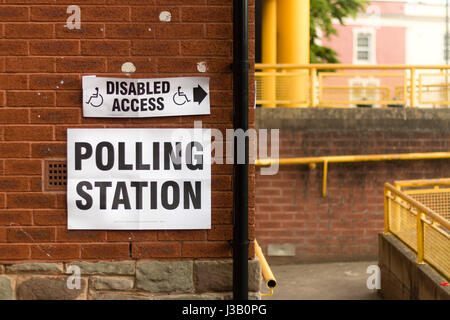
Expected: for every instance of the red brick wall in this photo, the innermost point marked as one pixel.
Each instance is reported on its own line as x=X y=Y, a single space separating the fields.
x=41 y=64
x=343 y=225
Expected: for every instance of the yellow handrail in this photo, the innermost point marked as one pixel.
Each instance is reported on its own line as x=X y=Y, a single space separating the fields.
x=422 y=183
x=269 y=278
x=350 y=158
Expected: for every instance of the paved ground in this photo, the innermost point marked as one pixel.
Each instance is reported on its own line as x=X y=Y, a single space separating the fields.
x=324 y=281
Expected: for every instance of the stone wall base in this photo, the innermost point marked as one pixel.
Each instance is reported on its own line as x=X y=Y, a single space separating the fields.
x=124 y=280
x=402 y=278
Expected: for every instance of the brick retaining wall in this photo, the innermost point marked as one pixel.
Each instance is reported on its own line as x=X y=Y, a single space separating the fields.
x=294 y=222
x=41 y=65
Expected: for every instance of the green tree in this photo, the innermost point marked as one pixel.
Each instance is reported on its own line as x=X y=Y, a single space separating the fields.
x=322 y=14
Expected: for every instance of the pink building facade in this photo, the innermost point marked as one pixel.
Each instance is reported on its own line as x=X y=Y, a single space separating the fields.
x=402 y=32
x=369 y=41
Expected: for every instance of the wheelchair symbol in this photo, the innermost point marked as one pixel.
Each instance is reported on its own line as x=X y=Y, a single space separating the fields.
x=180 y=98
x=96 y=100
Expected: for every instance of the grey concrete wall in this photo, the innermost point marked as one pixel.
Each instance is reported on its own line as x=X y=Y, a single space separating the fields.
x=402 y=278
x=329 y=119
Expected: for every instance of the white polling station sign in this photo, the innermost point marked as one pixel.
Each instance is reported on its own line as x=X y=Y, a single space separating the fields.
x=145 y=98
x=139 y=179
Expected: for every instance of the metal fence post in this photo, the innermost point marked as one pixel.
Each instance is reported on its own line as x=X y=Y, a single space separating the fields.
x=386 y=211
x=325 y=174
x=420 y=236
x=312 y=86
x=413 y=87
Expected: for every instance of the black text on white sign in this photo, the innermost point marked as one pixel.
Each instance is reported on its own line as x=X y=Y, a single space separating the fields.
x=145 y=98
x=139 y=179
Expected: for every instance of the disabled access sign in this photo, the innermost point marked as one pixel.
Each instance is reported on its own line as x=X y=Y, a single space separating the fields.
x=145 y=98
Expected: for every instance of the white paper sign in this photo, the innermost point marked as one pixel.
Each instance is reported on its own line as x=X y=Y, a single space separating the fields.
x=144 y=98
x=139 y=179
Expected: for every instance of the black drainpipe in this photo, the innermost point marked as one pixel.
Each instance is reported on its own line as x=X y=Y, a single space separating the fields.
x=240 y=182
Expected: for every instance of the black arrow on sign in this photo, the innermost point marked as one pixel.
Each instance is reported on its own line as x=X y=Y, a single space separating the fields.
x=199 y=94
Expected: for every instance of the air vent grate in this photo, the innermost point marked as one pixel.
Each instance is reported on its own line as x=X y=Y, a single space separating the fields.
x=56 y=175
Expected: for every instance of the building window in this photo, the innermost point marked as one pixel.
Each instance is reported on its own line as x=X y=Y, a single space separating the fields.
x=364 y=47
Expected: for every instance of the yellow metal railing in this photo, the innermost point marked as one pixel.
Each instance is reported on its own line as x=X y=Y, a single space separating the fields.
x=312 y=161
x=422 y=229
x=340 y=85
x=433 y=193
